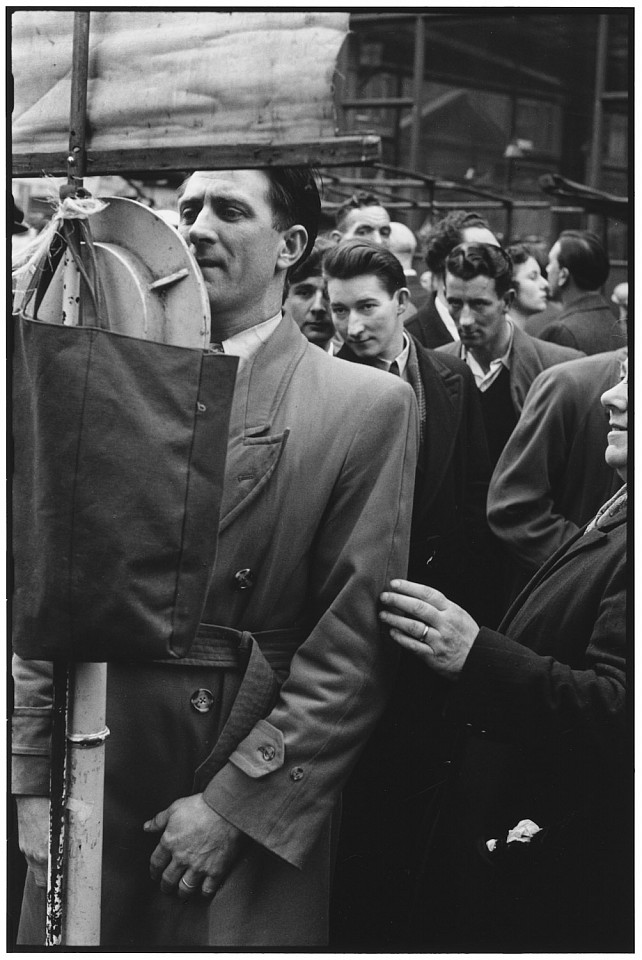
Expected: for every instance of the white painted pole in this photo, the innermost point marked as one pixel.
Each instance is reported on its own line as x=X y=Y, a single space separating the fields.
x=86 y=738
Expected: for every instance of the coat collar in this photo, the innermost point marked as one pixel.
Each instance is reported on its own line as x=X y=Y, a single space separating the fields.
x=591 y=300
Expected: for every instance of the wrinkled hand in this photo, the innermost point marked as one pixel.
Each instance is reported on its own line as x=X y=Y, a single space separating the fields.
x=33 y=834
x=411 y=607
x=197 y=849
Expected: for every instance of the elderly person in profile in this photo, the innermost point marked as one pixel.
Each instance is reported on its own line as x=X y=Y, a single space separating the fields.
x=542 y=707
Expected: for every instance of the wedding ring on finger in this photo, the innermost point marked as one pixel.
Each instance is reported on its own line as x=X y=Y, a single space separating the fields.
x=422 y=639
x=187 y=884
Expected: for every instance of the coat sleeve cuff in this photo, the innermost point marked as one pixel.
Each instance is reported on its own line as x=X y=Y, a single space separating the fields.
x=257 y=817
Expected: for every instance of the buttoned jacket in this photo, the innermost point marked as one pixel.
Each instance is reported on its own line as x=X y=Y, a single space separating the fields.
x=528 y=357
x=315 y=520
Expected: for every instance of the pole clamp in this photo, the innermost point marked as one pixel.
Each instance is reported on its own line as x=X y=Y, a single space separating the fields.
x=85 y=740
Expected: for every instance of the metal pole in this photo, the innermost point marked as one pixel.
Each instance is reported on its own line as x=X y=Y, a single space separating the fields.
x=86 y=738
x=418 y=96
x=57 y=818
x=595 y=158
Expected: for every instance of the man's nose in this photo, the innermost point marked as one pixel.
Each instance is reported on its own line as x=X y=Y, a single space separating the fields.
x=203 y=229
x=355 y=324
x=466 y=316
x=319 y=304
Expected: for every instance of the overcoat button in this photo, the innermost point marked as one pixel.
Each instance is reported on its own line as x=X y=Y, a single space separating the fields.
x=202 y=700
x=244 y=579
x=267 y=751
x=296 y=773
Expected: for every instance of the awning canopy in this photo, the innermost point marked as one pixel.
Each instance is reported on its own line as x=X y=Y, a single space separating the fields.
x=164 y=85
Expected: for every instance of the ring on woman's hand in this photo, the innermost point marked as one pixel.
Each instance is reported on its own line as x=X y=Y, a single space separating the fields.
x=187 y=884
x=422 y=638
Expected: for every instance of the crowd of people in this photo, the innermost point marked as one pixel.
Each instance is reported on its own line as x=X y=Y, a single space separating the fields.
x=423 y=530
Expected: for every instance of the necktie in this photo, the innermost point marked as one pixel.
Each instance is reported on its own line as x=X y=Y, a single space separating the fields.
x=216 y=347
x=394 y=368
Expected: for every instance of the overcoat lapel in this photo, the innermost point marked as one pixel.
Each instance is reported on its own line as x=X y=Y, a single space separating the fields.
x=443 y=392
x=255 y=446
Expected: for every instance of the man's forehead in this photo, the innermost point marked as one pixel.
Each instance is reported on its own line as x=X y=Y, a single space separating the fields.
x=253 y=183
x=373 y=216
x=364 y=285
x=476 y=286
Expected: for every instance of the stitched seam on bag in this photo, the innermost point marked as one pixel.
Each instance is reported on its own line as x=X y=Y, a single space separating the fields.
x=74 y=489
x=184 y=523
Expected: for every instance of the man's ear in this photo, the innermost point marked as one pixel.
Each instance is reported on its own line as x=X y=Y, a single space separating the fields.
x=508 y=299
x=403 y=296
x=563 y=276
x=293 y=243
x=336 y=236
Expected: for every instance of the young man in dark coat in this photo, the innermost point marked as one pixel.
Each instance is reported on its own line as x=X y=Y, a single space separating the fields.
x=451 y=545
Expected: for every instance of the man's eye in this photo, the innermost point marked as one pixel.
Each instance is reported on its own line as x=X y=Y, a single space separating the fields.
x=339 y=311
x=304 y=292
x=385 y=231
x=455 y=304
x=188 y=214
x=363 y=231
x=231 y=213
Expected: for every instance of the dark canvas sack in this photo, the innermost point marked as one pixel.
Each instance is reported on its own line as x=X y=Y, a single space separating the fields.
x=118 y=459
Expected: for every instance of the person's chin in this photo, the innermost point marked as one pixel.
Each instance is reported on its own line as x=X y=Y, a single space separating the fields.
x=363 y=348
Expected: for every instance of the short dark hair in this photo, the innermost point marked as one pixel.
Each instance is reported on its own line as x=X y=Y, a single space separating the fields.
x=584 y=256
x=470 y=260
x=358 y=257
x=294 y=197
x=356 y=202
x=447 y=234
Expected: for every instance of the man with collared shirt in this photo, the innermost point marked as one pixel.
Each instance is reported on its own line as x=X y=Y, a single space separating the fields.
x=432 y=325
x=450 y=545
x=503 y=359
x=224 y=768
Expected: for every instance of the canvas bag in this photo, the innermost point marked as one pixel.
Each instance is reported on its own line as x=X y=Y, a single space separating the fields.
x=118 y=460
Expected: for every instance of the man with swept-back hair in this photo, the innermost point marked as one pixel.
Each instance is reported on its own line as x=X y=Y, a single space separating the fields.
x=504 y=359
x=432 y=325
x=451 y=548
x=578 y=265
x=224 y=769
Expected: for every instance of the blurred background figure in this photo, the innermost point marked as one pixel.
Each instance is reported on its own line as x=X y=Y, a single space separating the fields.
x=362 y=216
x=403 y=244
x=620 y=297
x=578 y=265
x=530 y=286
x=306 y=300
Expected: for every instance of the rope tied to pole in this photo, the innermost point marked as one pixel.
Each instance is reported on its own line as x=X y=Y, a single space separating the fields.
x=67 y=231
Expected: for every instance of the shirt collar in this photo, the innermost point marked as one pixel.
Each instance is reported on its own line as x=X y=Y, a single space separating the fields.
x=483 y=378
x=401 y=360
x=246 y=343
